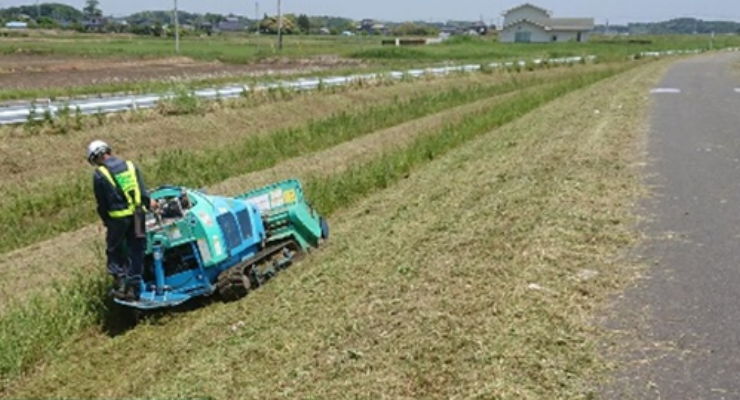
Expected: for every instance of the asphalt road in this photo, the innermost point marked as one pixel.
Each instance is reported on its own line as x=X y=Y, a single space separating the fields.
x=687 y=310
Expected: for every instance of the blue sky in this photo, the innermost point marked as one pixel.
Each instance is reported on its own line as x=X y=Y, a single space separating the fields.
x=616 y=11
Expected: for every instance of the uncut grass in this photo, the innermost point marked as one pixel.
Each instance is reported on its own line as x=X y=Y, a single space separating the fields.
x=37 y=213
x=27 y=349
x=424 y=289
x=82 y=249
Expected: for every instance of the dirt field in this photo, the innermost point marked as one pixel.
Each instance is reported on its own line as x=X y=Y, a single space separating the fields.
x=24 y=71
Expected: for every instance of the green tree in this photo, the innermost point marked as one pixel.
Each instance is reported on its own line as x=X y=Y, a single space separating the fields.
x=214 y=19
x=304 y=24
x=270 y=25
x=412 y=29
x=332 y=23
x=46 y=23
x=91 y=8
x=55 y=11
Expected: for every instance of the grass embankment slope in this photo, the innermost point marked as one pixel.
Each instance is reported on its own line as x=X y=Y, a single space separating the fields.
x=57 y=319
x=221 y=143
x=462 y=280
x=238 y=142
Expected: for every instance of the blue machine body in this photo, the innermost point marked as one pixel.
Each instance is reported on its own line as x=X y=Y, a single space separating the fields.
x=198 y=237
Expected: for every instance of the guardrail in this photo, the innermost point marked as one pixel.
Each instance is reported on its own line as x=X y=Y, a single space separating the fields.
x=19 y=114
x=675 y=52
x=669 y=52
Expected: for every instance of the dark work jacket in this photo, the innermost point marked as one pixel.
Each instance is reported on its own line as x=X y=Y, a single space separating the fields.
x=109 y=197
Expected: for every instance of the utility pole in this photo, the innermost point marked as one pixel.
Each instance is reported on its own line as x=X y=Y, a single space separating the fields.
x=177 y=31
x=257 y=17
x=38 y=11
x=280 y=27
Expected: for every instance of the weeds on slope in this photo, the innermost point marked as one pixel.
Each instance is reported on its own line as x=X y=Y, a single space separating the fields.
x=38 y=213
x=30 y=333
x=38 y=328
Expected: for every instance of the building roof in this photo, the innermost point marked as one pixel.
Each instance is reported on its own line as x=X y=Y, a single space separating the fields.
x=558 y=24
x=548 y=12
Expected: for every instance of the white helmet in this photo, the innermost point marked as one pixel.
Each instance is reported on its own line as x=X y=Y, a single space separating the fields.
x=95 y=149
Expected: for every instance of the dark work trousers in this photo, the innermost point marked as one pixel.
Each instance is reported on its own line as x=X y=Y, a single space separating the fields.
x=124 y=250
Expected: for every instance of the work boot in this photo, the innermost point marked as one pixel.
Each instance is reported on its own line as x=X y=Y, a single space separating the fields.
x=119 y=286
x=133 y=289
x=127 y=289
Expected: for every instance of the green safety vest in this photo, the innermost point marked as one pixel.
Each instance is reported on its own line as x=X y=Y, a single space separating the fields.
x=129 y=184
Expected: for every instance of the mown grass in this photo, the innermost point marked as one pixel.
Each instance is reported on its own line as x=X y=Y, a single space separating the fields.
x=427 y=290
x=35 y=213
x=327 y=194
x=334 y=192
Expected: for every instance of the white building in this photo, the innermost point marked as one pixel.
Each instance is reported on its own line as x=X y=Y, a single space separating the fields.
x=531 y=24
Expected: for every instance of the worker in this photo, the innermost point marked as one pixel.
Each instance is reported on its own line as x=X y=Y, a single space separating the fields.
x=122 y=199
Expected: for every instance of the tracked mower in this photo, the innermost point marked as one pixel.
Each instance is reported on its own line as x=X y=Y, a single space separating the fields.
x=201 y=245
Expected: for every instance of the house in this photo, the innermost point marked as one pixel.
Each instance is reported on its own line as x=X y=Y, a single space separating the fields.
x=528 y=23
x=95 y=23
x=478 y=28
x=232 y=23
x=371 y=27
